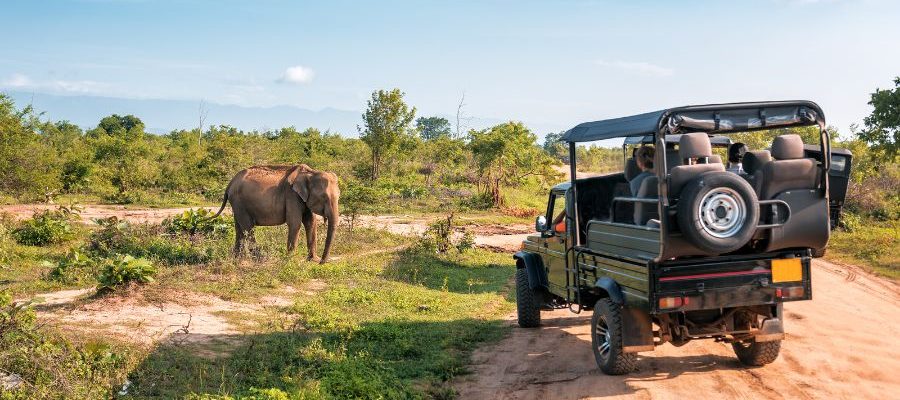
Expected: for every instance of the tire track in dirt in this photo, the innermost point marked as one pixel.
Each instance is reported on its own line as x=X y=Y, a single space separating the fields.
x=839 y=345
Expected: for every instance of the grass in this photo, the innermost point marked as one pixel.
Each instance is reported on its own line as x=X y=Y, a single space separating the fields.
x=388 y=320
x=868 y=243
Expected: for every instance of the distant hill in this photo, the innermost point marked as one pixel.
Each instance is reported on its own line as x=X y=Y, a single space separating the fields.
x=163 y=116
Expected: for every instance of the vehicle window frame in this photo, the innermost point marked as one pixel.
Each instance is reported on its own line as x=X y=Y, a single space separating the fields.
x=551 y=216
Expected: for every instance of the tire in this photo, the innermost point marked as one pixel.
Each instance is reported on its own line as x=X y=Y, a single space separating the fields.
x=756 y=354
x=718 y=212
x=750 y=352
x=527 y=301
x=606 y=339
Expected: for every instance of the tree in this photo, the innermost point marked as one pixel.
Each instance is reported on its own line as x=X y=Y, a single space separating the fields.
x=882 y=130
x=507 y=154
x=121 y=149
x=554 y=147
x=386 y=120
x=431 y=128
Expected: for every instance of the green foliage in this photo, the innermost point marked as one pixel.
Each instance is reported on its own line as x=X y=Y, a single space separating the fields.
x=194 y=222
x=506 y=154
x=440 y=237
x=120 y=237
x=358 y=199
x=386 y=123
x=47 y=227
x=883 y=124
x=49 y=366
x=431 y=128
x=76 y=267
x=869 y=243
x=555 y=147
x=122 y=270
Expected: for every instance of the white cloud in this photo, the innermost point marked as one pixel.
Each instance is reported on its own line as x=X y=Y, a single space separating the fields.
x=17 y=81
x=22 y=81
x=637 y=67
x=297 y=74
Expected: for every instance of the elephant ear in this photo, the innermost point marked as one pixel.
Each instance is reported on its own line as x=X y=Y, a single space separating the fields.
x=301 y=184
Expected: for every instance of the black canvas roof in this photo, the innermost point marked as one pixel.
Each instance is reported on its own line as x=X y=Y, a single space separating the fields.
x=711 y=118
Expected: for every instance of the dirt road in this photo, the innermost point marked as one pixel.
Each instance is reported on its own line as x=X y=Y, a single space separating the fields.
x=839 y=345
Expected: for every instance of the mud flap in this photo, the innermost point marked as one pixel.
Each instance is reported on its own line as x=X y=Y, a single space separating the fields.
x=637 y=331
x=770 y=331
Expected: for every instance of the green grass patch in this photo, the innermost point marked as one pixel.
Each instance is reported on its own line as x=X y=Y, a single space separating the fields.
x=386 y=326
x=868 y=243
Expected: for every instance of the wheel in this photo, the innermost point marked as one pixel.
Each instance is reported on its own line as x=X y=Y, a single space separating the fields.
x=756 y=354
x=750 y=352
x=527 y=301
x=718 y=212
x=606 y=338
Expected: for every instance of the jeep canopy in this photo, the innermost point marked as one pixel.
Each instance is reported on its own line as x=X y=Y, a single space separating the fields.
x=711 y=118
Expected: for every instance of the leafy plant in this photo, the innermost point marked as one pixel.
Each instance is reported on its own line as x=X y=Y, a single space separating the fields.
x=47 y=227
x=125 y=269
x=73 y=268
x=439 y=237
x=193 y=222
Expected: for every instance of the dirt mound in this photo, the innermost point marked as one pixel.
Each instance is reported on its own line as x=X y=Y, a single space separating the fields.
x=839 y=345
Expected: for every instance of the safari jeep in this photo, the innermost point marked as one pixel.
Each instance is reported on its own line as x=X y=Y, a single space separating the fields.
x=700 y=250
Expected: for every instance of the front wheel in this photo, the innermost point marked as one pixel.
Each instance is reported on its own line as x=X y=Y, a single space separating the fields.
x=606 y=338
x=756 y=354
x=527 y=301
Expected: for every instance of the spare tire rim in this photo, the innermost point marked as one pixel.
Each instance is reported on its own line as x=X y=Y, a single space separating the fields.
x=722 y=212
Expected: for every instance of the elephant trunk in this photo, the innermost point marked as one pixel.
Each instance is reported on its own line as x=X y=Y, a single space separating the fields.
x=333 y=219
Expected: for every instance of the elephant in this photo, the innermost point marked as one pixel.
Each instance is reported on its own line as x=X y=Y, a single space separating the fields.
x=269 y=195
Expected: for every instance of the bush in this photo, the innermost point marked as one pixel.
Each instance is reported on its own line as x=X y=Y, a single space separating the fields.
x=123 y=270
x=47 y=227
x=74 y=268
x=480 y=201
x=120 y=237
x=5 y=247
x=439 y=238
x=193 y=222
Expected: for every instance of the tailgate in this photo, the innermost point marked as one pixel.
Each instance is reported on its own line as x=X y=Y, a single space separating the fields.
x=730 y=282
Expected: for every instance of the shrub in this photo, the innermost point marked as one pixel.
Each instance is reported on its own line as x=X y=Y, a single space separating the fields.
x=193 y=222
x=120 y=237
x=123 y=270
x=114 y=236
x=75 y=267
x=47 y=227
x=439 y=237
x=5 y=246
x=480 y=201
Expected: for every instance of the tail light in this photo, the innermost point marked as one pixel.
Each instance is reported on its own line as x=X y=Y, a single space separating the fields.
x=672 y=302
x=789 y=292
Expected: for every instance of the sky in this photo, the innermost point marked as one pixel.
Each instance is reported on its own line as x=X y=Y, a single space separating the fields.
x=548 y=64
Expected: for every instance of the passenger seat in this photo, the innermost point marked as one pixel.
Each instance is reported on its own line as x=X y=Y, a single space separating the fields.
x=691 y=145
x=753 y=162
x=789 y=170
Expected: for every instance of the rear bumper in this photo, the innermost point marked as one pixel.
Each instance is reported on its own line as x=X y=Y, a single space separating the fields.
x=740 y=284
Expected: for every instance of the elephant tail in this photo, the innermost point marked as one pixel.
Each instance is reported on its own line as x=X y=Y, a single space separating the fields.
x=224 y=202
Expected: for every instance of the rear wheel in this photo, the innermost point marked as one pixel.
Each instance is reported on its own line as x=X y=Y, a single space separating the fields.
x=527 y=301
x=606 y=338
x=750 y=352
x=756 y=354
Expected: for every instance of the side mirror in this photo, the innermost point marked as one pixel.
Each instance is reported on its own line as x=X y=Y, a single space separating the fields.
x=540 y=223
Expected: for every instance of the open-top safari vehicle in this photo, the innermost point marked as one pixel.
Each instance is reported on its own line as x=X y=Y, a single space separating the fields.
x=698 y=251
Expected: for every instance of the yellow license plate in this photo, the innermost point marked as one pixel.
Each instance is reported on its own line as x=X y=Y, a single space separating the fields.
x=787 y=270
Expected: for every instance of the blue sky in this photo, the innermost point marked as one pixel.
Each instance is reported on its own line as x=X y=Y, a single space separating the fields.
x=550 y=64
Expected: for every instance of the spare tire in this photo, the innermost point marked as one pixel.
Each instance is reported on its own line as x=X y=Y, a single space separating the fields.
x=718 y=212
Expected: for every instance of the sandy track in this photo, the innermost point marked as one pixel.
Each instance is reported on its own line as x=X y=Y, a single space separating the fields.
x=839 y=345
x=91 y=212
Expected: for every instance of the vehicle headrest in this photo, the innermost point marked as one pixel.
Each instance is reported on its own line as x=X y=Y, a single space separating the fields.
x=631 y=169
x=787 y=147
x=754 y=160
x=694 y=145
x=714 y=159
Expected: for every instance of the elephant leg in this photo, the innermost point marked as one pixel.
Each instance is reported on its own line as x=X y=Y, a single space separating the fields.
x=243 y=231
x=309 y=224
x=293 y=235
